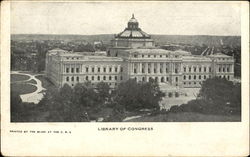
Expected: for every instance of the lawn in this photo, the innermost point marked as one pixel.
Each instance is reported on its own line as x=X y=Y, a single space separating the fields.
x=31 y=81
x=18 y=77
x=46 y=83
x=188 y=117
x=22 y=88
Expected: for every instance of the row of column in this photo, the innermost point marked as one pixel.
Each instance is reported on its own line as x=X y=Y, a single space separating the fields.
x=165 y=67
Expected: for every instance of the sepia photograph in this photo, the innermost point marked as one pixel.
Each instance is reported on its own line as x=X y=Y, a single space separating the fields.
x=92 y=62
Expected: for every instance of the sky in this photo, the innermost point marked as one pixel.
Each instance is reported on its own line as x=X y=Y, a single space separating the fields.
x=88 y=18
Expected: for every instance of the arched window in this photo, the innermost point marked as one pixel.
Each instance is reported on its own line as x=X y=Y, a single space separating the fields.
x=104 y=77
x=72 y=78
x=77 y=78
x=167 y=78
x=143 y=79
x=162 y=79
x=189 y=77
x=98 y=78
x=93 y=78
x=87 y=78
x=176 y=79
x=110 y=78
x=184 y=77
x=115 y=77
x=67 y=78
x=194 y=77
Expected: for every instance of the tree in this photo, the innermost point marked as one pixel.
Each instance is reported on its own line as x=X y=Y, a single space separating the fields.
x=103 y=91
x=220 y=91
x=136 y=96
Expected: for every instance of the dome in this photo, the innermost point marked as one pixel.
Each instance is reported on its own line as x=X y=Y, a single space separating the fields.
x=133 y=30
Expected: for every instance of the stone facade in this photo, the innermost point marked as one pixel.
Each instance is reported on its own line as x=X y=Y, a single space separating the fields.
x=133 y=55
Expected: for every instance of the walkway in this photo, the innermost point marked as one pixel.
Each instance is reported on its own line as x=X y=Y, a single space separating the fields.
x=35 y=96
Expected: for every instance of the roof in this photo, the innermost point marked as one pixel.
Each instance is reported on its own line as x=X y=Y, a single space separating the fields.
x=220 y=55
x=133 y=34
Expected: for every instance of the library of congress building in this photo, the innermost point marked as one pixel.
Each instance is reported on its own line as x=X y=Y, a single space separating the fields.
x=133 y=55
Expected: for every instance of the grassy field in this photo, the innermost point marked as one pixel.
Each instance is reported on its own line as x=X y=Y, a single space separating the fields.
x=188 y=117
x=31 y=81
x=45 y=82
x=22 y=88
x=18 y=77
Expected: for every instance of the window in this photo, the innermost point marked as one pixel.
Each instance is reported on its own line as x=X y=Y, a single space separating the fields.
x=194 y=69
x=77 y=70
x=67 y=79
x=223 y=69
x=142 y=56
x=199 y=76
x=93 y=78
x=184 y=69
x=87 y=69
x=199 y=69
x=110 y=69
x=160 y=56
x=135 y=71
x=227 y=69
x=154 y=70
x=115 y=77
x=149 y=70
x=143 y=79
x=110 y=78
x=67 y=70
x=72 y=78
x=189 y=77
x=219 y=69
x=148 y=56
x=205 y=77
x=210 y=69
x=166 y=70
x=228 y=77
x=176 y=70
x=194 y=82
x=87 y=78
x=77 y=78
x=120 y=77
x=121 y=69
x=184 y=77
x=189 y=69
x=142 y=70
x=72 y=70
x=98 y=69
x=154 y=56
x=160 y=70
x=162 y=79
x=104 y=77
x=205 y=69
x=167 y=79
x=194 y=77
x=104 y=69
x=98 y=78
x=176 y=79
x=93 y=69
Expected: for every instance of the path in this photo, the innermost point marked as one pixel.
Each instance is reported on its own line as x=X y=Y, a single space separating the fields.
x=35 y=96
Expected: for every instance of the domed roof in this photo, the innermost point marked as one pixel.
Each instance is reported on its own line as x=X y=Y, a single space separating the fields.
x=133 y=30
